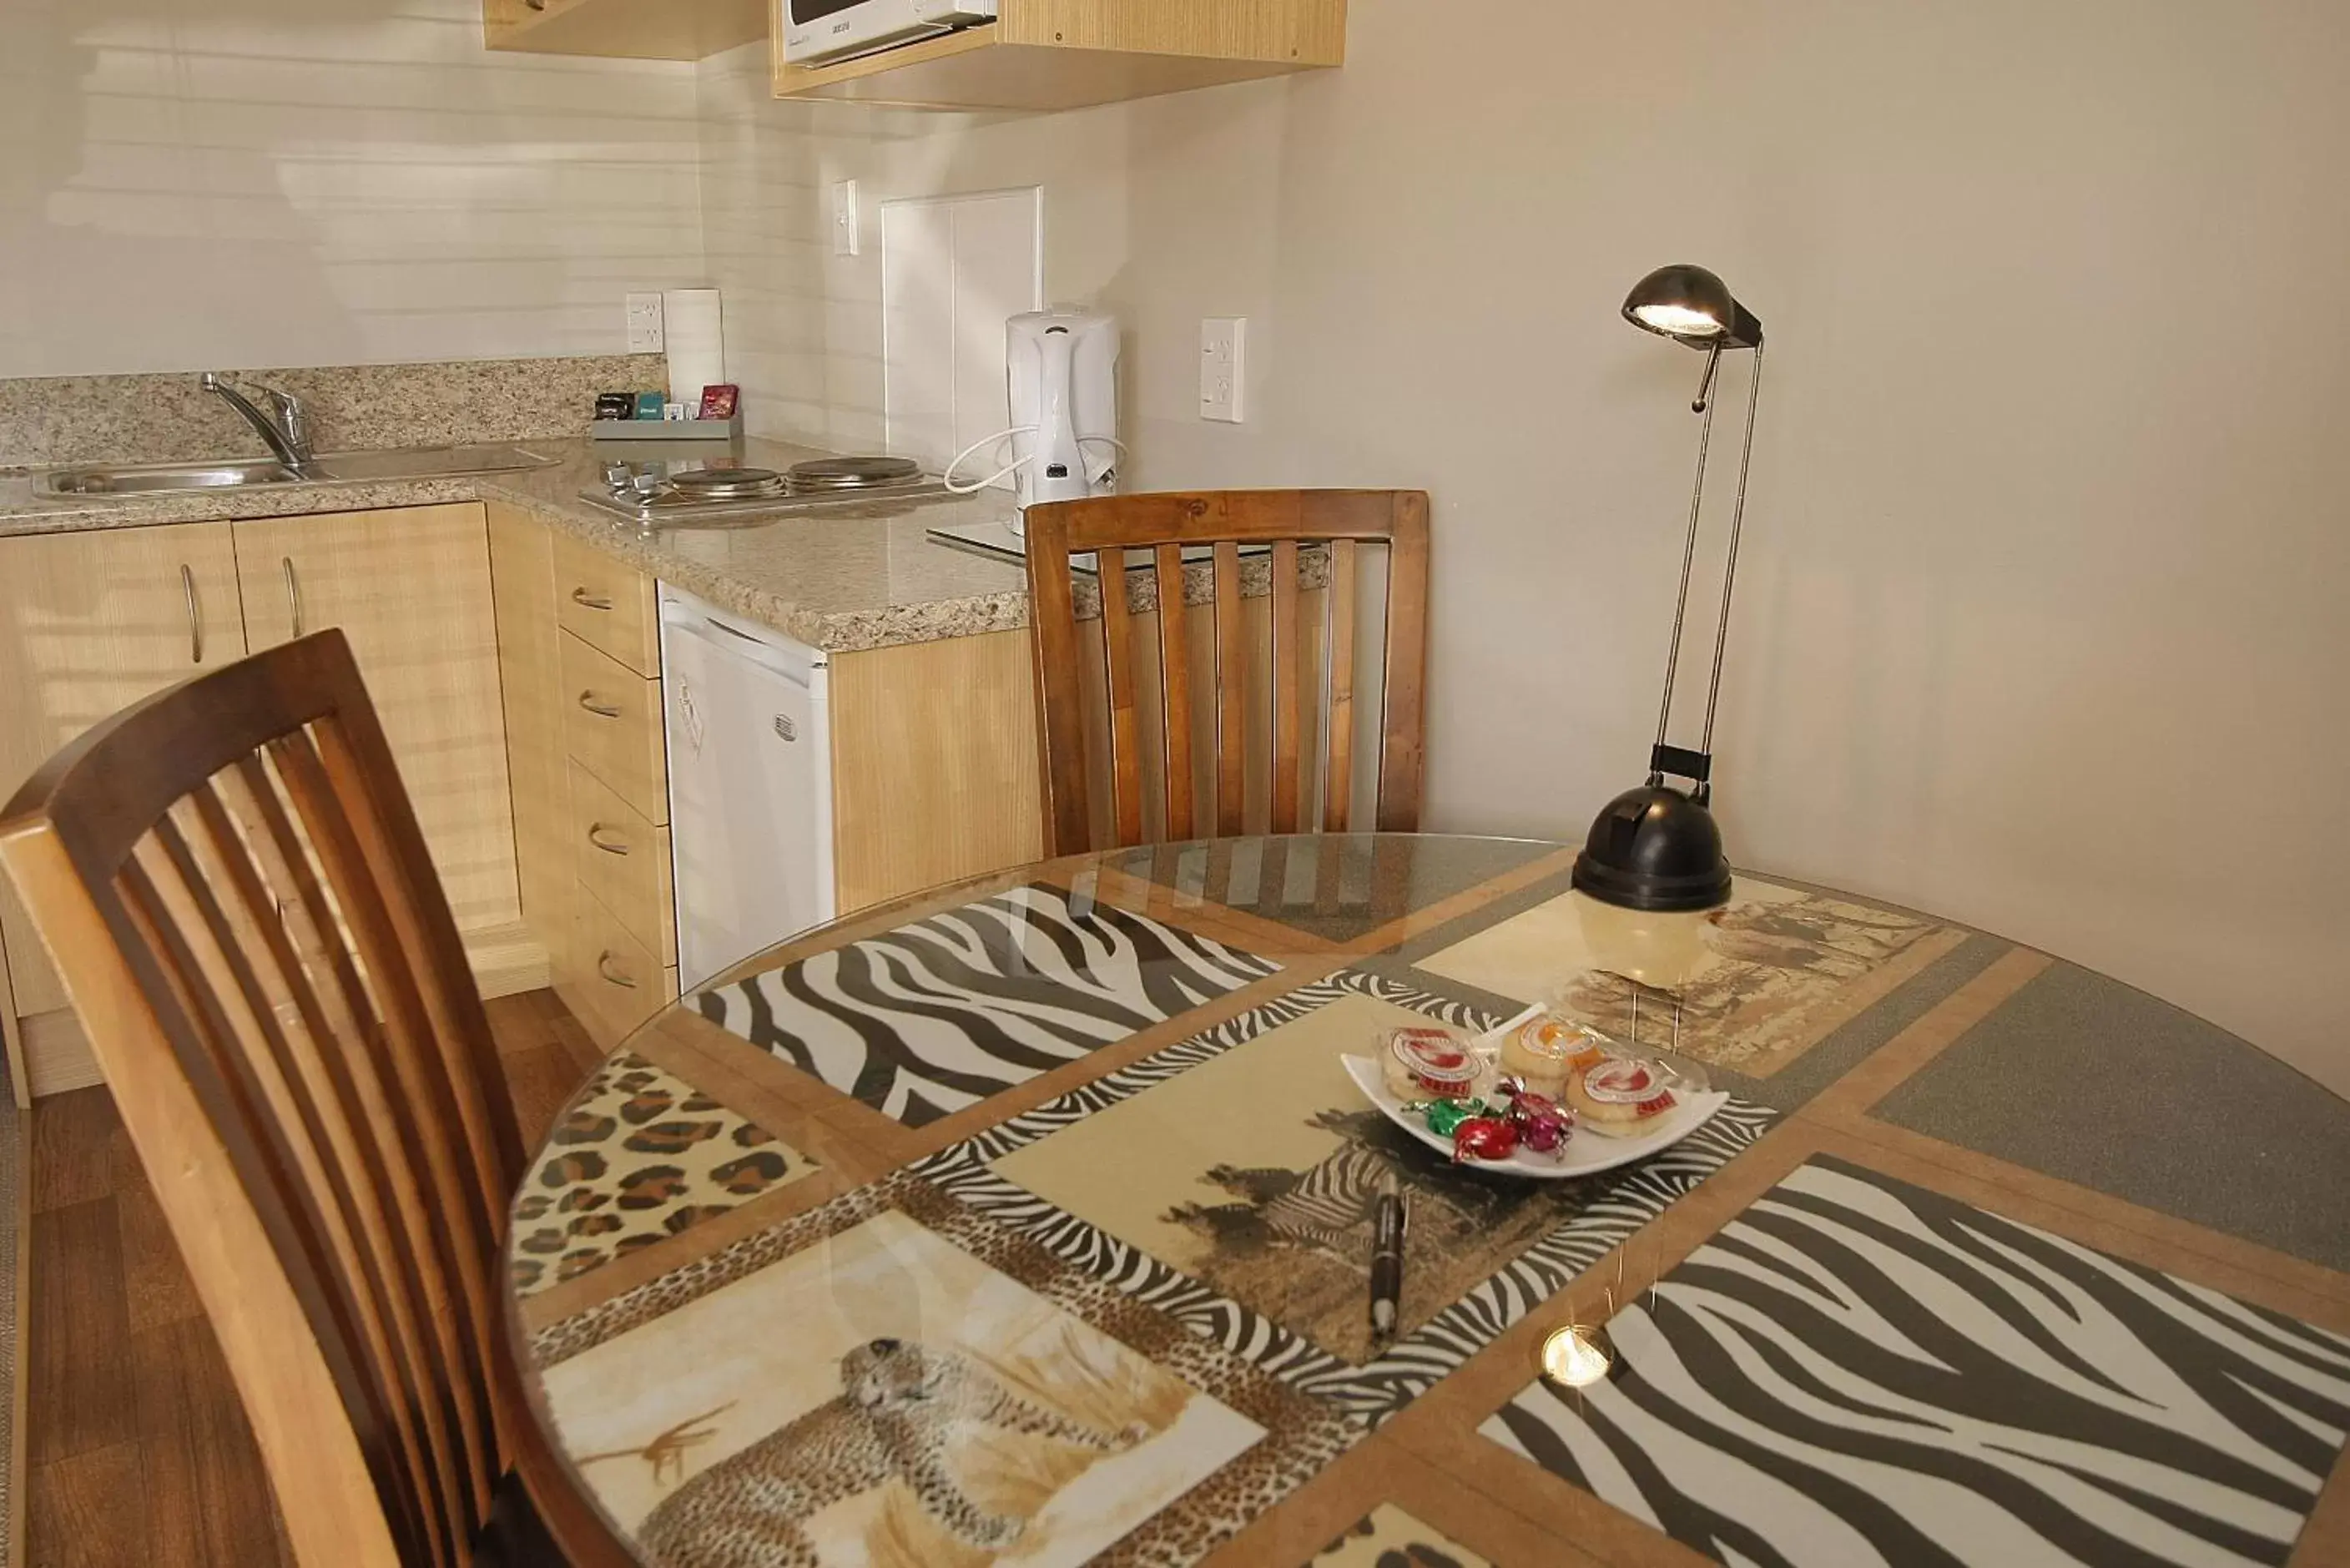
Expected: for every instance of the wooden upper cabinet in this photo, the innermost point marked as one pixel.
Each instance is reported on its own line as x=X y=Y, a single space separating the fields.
x=90 y=623
x=410 y=588
x=623 y=29
x=1046 y=55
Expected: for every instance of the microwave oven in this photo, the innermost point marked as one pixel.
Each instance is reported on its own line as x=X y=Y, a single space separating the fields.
x=819 y=31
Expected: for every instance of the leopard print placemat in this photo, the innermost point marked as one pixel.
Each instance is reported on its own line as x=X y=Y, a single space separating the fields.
x=641 y=1156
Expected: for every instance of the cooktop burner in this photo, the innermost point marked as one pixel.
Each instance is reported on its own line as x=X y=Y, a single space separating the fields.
x=728 y=483
x=658 y=494
x=832 y=474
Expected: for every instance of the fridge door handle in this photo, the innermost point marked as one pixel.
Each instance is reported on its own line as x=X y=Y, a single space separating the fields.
x=747 y=637
x=759 y=650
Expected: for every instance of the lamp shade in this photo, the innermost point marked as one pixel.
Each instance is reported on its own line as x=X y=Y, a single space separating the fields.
x=1654 y=848
x=1690 y=304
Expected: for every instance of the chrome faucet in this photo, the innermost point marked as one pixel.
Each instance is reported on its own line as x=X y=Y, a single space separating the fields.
x=284 y=429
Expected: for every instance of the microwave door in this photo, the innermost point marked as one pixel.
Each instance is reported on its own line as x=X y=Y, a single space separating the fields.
x=831 y=31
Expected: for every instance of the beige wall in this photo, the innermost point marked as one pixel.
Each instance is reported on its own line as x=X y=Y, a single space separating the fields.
x=197 y=182
x=2042 y=622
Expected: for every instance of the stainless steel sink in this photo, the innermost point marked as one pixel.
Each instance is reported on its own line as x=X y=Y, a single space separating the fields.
x=328 y=468
x=164 y=476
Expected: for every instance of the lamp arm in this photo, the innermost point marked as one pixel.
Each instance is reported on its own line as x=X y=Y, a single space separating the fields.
x=1729 y=572
x=1705 y=386
x=1689 y=560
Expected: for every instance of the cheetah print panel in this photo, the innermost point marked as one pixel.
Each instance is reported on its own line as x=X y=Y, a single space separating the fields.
x=1303 y=1435
x=640 y=1157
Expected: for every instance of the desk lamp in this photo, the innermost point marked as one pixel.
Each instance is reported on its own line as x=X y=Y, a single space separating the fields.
x=1657 y=848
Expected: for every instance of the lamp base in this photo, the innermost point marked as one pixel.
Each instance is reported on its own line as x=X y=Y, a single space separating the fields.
x=1653 y=849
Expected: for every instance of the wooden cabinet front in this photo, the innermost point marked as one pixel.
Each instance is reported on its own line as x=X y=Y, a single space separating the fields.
x=612 y=727
x=1042 y=56
x=89 y=623
x=607 y=603
x=623 y=29
x=410 y=588
x=614 y=981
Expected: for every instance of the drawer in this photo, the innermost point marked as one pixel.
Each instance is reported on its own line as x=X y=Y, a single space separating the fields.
x=615 y=983
x=612 y=727
x=607 y=603
x=624 y=861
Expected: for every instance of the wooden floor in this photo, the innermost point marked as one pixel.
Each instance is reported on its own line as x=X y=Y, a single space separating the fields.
x=138 y=1452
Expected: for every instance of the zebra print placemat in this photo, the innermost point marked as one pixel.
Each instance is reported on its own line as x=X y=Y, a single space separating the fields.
x=924 y=1020
x=1859 y=1371
x=1600 y=1213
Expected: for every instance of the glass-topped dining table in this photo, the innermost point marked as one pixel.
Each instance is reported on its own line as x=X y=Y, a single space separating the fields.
x=1029 y=1220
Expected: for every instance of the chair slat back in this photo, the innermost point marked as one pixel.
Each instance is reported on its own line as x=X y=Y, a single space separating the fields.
x=1336 y=525
x=234 y=889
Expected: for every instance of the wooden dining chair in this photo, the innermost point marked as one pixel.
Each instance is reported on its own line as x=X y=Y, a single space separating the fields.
x=234 y=889
x=1341 y=522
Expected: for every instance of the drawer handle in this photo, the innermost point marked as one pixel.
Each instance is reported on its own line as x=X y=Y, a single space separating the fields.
x=293 y=594
x=595 y=831
x=195 y=615
x=603 y=968
x=601 y=709
x=587 y=601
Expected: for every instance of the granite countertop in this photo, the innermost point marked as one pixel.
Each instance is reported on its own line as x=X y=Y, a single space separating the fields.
x=855 y=576
x=850 y=577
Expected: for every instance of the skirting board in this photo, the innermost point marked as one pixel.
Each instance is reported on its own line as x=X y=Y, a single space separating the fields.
x=505 y=960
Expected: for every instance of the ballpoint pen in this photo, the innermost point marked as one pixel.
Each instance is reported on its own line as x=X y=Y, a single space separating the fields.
x=1387 y=1225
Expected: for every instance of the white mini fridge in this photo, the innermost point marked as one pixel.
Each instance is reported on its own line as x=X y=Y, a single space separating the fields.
x=750 y=784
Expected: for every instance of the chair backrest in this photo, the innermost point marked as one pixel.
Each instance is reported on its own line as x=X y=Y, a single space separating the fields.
x=233 y=885
x=1339 y=521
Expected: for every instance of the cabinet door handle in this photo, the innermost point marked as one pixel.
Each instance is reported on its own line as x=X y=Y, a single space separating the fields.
x=535 y=5
x=603 y=968
x=595 y=831
x=195 y=615
x=601 y=709
x=582 y=598
x=293 y=592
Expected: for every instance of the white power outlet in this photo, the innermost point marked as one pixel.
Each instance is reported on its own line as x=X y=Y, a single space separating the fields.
x=846 y=241
x=1224 y=368
x=645 y=324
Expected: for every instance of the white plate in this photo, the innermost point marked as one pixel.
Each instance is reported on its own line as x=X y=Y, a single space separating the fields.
x=1587 y=1151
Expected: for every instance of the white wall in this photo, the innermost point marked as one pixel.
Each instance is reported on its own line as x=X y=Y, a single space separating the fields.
x=197 y=182
x=2042 y=621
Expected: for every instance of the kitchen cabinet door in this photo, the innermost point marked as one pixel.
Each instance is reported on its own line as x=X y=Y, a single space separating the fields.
x=623 y=29
x=410 y=588
x=1044 y=56
x=91 y=622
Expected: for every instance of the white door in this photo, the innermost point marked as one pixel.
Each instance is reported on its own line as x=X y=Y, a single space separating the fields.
x=954 y=269
x=750 y=785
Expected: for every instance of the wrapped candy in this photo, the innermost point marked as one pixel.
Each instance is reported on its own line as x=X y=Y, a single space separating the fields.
x=1540 y=1123
x=1524 y=1102
x=1484 y=1138
x=1444 y=1116
x=1544 y=1131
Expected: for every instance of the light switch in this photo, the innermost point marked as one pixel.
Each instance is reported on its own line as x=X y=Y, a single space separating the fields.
x=843 y=218
x=645 y=336
x=1224 y=368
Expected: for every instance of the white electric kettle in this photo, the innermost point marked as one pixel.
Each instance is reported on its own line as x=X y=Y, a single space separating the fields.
x=1061 y=387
